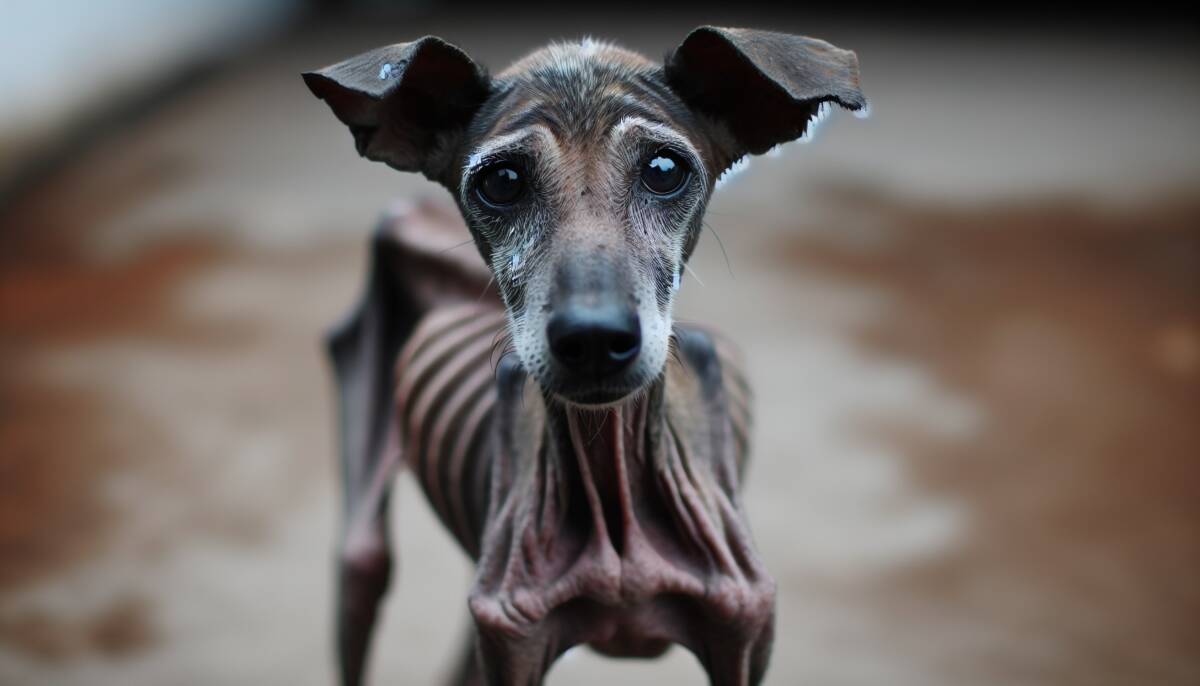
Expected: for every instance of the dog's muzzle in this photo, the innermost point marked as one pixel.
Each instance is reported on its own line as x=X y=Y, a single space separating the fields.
x=594 y=343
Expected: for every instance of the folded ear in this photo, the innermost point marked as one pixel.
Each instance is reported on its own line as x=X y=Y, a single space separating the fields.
x=404 y=103
x=765 y=87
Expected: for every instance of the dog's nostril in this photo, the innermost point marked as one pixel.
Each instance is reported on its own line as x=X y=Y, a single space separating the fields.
x=571 y=349
x=594 y=340
x=623 y=346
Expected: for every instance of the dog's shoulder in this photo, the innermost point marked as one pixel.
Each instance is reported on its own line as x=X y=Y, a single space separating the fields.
x=708 y=353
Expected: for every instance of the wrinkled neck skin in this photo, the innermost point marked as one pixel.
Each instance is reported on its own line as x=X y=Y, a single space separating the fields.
x=622 y=529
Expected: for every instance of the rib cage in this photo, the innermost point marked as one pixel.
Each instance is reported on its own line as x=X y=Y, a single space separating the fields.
x=445 y=397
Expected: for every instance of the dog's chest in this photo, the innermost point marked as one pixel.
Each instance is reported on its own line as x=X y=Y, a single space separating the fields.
x=617 y=529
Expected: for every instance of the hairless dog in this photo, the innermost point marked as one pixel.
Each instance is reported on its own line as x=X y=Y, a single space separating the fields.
x=586 y=453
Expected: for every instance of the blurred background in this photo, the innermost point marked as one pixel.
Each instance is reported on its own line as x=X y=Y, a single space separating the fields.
x=973 y=321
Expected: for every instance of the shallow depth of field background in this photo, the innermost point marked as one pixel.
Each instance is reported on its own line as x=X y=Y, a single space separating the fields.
x=973 y=321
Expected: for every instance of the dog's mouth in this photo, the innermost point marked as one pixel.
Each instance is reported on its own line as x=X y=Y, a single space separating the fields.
x=597 y=388
x=596 y=394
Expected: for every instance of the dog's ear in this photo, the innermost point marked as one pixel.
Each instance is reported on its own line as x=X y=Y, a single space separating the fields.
x=404 y=103
x=765 y=87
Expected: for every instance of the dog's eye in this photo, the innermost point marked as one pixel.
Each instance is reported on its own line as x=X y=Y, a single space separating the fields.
x=664 y=173
x=501 y=185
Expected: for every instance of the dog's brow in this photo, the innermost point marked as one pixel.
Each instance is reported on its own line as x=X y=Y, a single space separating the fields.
x=531 y=115
x=635 y=106
x=658 y=131
x=500 y=144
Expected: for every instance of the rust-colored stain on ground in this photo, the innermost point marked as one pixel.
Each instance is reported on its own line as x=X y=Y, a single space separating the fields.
x=57 y=444
x=121 y=628
x=1078 y=328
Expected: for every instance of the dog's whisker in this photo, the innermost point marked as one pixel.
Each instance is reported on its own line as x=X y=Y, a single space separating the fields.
x=456 y=246
x=721 y=243
x=491 y=280
x=603 y=421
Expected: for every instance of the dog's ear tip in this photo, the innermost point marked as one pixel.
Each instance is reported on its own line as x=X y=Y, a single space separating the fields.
x=312 y=79
x=863 y=111
x=327 y=87
x=852 y=100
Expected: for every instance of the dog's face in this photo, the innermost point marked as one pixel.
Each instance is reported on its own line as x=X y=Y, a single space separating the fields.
x=583 y=172
x=585 y=179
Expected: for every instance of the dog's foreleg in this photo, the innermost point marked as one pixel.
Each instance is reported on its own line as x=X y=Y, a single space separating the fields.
x=363 y=350
x=411 y=272
x=739 y=662
x=364 y=567
x=514 y=660
x=364 y=570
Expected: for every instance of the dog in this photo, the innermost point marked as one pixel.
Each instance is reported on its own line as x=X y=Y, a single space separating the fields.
x=584 y=450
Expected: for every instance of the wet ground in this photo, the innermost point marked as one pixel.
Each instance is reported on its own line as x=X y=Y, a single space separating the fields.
x=973 y=321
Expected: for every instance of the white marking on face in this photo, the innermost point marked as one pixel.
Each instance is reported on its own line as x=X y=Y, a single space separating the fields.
x=493 y=148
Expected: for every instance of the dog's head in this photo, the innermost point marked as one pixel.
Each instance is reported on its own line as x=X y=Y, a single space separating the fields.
x=583 y=172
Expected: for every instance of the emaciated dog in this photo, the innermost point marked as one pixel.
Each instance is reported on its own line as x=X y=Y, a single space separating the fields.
x=585 y=452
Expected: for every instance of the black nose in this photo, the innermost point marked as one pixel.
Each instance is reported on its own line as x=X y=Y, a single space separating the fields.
x=595 y=340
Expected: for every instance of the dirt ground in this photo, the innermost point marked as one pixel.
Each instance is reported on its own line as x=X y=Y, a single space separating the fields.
x=972 y=320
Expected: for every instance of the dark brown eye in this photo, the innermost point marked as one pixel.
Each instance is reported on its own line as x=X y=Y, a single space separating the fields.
x=664 y=173
x=501 y=185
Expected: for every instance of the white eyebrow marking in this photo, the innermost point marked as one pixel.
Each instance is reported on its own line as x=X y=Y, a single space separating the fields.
x=662 y=133
x=506 y=142
x=491 y=147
